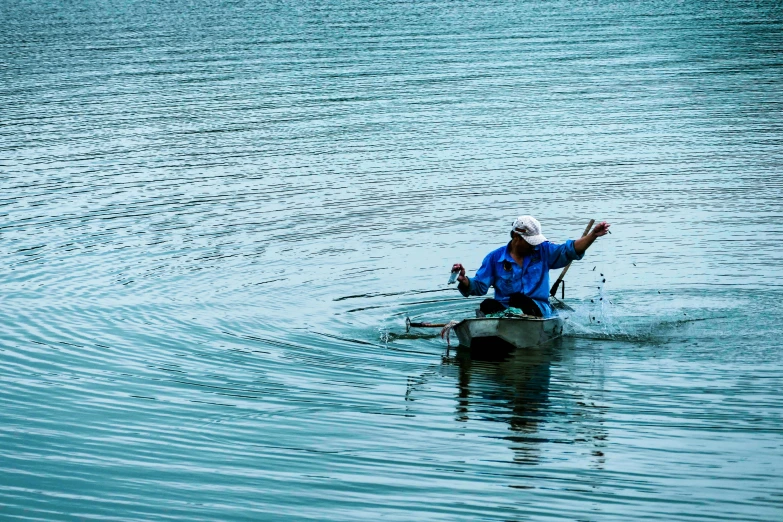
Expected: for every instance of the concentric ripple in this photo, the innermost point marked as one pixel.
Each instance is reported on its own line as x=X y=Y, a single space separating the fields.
x=215 y=217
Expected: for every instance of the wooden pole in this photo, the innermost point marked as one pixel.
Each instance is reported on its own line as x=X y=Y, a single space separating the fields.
x=409 y=325
x=553 y=291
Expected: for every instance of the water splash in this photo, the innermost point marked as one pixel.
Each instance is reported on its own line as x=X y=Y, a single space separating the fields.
x=644 y=317
x=383 y=334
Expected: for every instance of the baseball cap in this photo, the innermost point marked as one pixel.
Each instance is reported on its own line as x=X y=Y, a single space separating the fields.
x=530 y=229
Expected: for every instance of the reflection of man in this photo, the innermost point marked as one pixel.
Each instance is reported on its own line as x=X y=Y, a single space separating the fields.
x=519 y=271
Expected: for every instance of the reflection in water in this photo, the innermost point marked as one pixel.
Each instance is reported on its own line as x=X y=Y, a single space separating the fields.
x=513 y=386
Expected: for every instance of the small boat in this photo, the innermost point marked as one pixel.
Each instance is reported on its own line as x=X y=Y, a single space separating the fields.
x=519 y=332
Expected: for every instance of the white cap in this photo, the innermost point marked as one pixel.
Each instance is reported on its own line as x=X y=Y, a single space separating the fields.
x=530 y=229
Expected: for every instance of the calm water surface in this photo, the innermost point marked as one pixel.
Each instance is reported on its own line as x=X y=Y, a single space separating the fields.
x=215 y=216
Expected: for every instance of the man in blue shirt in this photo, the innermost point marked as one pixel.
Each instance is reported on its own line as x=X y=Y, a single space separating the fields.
x=519 y=271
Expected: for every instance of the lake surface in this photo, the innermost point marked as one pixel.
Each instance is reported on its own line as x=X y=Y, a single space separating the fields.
x=216 y=215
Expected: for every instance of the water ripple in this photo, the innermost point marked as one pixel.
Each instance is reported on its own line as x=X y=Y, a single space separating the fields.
x=215 y=217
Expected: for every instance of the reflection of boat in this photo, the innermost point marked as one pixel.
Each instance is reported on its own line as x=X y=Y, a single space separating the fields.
x=519 y=332
x=510 y=387
x=544 y=409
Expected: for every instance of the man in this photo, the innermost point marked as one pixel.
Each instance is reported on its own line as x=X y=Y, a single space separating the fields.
x=519 y=271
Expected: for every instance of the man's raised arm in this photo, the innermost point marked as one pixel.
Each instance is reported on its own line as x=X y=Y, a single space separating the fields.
x=583 y=243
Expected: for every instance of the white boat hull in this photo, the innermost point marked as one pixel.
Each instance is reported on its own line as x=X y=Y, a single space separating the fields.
x=520 y=332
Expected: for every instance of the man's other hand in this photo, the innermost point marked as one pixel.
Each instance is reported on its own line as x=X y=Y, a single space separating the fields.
x=461 y=277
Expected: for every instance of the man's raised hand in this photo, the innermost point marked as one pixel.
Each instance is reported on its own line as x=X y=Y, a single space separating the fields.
x=601 y=229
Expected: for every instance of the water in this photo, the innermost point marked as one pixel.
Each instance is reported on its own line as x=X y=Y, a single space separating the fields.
x=216 y=216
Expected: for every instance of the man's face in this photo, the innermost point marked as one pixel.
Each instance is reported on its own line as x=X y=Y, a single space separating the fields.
x=520 y=245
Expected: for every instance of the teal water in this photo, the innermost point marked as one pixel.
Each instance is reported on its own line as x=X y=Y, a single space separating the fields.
x=215 y=216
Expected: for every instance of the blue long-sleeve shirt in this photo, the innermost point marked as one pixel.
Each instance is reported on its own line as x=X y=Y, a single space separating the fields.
x=530 y=279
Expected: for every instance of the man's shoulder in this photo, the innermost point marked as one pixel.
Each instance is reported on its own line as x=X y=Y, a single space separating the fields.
x=549 y=246
x=498 y=253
